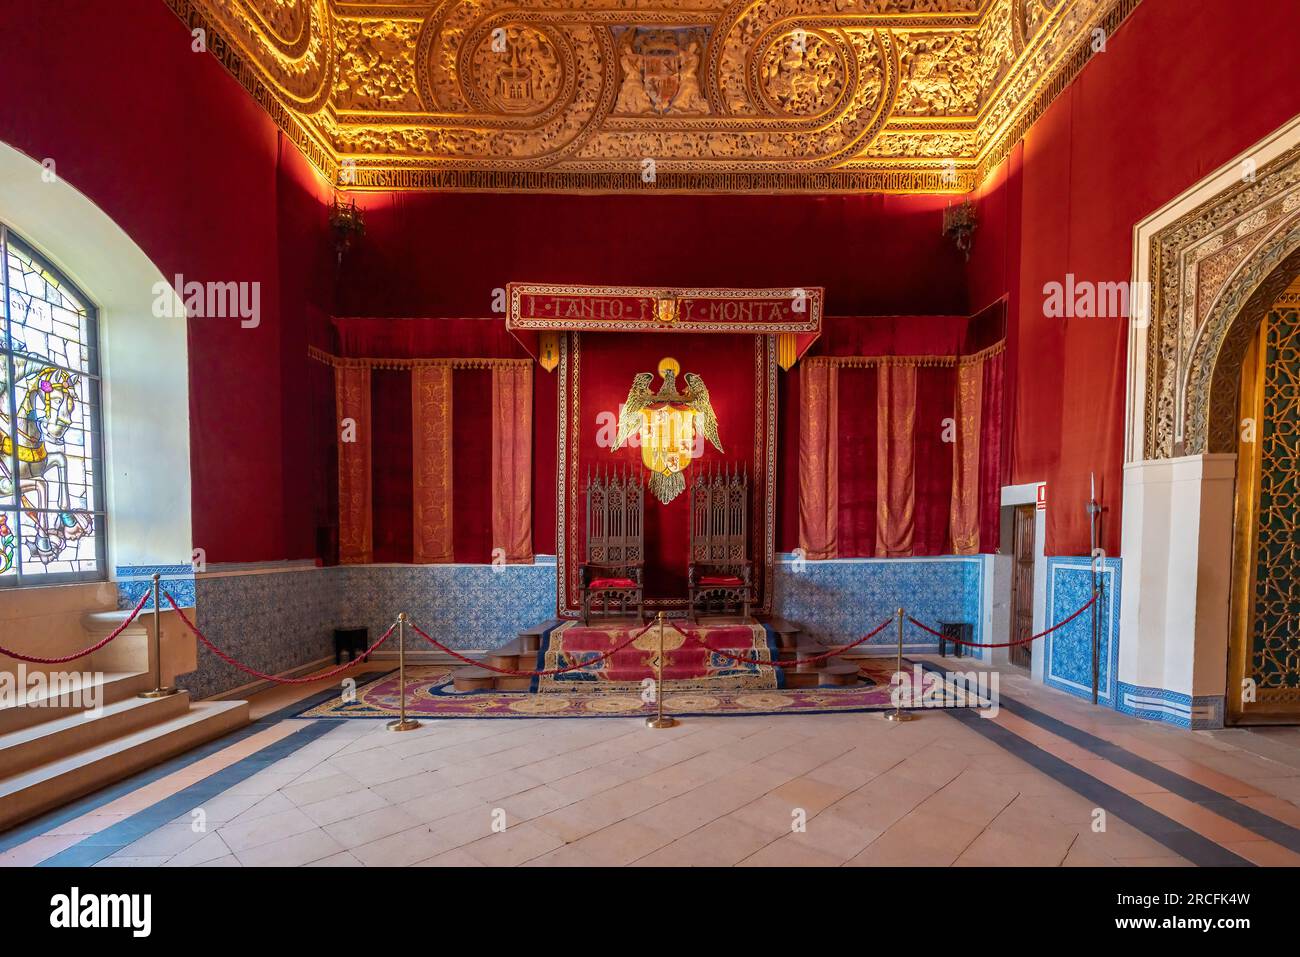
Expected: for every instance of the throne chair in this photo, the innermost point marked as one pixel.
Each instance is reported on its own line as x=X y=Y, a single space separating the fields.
x=612 y=577
x=718 y=578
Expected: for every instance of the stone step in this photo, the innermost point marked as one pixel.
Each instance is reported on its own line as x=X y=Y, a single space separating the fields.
x=512 y=683
x=46 y=786
x=802 y=679
x=530 y=639
x=802 y=652
x=49 y=740
x=471 y=678
x=113 y=686
x=839 y=673
x=511 y=655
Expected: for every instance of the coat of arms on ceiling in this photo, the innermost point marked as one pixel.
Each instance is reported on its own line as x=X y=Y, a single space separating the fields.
x=661 y=71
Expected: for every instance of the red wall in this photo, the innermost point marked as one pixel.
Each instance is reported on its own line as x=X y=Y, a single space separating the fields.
x=429 y=254
x=173 y=150
x=182 y=158
x=444 y=254
x=1181 y=89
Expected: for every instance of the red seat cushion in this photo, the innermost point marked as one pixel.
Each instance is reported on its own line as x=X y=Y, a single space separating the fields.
x=612 y=583
x=721 y=580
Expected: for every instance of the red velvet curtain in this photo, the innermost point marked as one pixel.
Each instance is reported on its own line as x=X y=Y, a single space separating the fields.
x=391 y=466
x=856 y=450
x=935 y=387
x=914 y=470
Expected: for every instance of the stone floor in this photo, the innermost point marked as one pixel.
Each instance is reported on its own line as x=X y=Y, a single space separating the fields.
x=1052 y=782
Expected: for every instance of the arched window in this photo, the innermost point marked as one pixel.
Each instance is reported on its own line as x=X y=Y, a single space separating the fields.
x=51 y=450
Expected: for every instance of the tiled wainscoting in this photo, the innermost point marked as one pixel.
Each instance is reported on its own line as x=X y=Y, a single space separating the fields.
x=1068 y=650
x=840 y=600
x=273 y=619
x=466 y=607
x=276 y=618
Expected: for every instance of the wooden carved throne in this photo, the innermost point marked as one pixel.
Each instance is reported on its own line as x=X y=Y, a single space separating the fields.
x=611 y=580
x=719 y=577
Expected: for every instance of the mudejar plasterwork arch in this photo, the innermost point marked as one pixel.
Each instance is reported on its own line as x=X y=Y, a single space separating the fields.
x=811 y=95
x=1214 y=272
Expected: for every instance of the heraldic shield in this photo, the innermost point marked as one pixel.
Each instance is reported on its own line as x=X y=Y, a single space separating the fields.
x=666 y=423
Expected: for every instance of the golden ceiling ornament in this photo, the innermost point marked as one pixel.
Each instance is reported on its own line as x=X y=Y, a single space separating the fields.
x=722 y=95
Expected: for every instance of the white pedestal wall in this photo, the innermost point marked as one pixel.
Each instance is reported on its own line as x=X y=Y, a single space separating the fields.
x=1177 y=574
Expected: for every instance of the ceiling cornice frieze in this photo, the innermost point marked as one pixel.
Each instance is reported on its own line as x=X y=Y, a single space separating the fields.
x=671 y=95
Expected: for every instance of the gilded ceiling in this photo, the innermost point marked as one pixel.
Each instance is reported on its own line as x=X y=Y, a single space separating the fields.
x=677 y=95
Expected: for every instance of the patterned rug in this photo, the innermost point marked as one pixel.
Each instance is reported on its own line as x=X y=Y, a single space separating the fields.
x=688 y=665
x=430 y=695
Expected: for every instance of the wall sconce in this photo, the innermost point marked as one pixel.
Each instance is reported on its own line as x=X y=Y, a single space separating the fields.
x=960 y=222
x=348 y=223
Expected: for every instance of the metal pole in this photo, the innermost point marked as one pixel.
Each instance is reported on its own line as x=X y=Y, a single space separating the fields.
x=898 y=714
x=659 y=721
x=1094 y=513
x=158 y=690
x=403 y=723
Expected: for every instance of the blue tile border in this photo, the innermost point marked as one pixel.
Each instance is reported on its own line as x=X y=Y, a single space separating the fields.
x=132 y=581
x=1200 y=713
x=1067 y=664
x=839 y=600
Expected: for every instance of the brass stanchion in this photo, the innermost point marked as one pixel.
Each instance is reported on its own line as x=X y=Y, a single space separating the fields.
x=659 y=721
x=158 y=690
x=898 y=714
x=403 y=723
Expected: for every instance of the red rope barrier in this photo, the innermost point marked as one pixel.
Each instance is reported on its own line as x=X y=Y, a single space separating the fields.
x=265 y=677
x=788 y=664
x=1005 y=644
x=531 y=674
x=88 y=651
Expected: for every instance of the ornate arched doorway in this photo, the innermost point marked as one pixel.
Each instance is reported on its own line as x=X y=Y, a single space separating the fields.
x=1264 y=643
x=1210 y=557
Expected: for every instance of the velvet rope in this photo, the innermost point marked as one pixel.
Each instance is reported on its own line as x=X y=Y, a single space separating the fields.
x=531 y=674
x=265 y=677
x=86 y=651
x=1005 y=644
x=788 y=664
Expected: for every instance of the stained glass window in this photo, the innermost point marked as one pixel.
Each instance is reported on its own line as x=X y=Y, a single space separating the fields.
x=51 y=500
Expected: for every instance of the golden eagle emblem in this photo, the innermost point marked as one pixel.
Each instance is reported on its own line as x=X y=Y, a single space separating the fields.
x=666 y=422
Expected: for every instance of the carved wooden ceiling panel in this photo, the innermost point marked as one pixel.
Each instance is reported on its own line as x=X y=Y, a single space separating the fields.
x=672 y=95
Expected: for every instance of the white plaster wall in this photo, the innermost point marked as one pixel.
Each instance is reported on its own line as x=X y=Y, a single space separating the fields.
x=1177 y=573
x=142 y=360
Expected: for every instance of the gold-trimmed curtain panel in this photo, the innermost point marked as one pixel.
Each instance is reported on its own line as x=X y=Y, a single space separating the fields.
x=432 y=437
x=431 y=481
x=818 y=460
x=512 y=463
x=967 y=503
x=352 y=403
x=895 y=460
x=964 y=520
